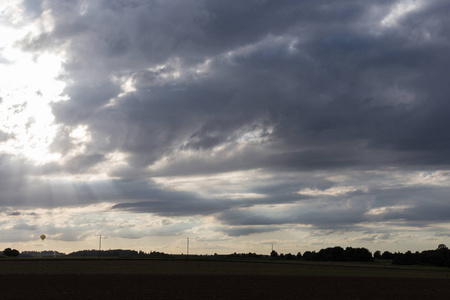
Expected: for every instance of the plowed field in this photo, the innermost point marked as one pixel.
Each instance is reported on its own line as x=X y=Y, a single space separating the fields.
x=212 y=280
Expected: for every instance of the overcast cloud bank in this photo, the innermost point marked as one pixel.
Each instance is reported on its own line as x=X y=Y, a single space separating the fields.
x=230 y=119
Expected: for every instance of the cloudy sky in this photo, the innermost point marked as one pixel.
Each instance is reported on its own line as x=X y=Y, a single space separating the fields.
x=239 y=124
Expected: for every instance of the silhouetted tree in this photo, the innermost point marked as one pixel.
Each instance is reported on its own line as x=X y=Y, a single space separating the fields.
x=444 y=256
x=331 y=254
x=308 y=255
x=299 y=255
x=377 y=254
x=439 y=257
x=115 y=253
x=407 y=258
x=387 y=255
x=11 y=252
x=357 y=254
x=250 y=255
x=289 y=256
x=273 y=254
x=45 y=253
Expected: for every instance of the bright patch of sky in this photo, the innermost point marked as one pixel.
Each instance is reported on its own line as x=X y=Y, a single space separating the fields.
x=399 y=10
x=29 y=85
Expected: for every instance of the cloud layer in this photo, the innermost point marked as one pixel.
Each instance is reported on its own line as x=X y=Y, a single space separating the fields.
x=257 y=117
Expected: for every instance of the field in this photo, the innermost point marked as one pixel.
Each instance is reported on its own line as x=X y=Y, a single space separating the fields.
x=203 y=279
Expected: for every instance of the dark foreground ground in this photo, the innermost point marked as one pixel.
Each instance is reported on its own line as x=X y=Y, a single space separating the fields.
x=220 y=282
x=141 y=286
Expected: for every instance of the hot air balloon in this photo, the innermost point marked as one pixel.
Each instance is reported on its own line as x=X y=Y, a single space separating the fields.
x=43 y=236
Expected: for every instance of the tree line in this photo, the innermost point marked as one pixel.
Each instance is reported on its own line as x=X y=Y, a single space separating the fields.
x=438 y=257
x=82 y=253
x=329 y=254
x=116 y=253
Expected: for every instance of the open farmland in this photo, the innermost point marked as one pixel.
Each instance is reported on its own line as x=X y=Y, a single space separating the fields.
x=196 y=279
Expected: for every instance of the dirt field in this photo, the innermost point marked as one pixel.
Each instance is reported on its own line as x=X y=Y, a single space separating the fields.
x=211 y=280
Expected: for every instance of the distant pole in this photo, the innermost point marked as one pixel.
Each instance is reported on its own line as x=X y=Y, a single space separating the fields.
x=100 y=246
x=272 y=247
x=187 y=247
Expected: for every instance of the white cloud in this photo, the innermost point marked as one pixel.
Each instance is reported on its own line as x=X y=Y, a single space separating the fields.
x=399 y=10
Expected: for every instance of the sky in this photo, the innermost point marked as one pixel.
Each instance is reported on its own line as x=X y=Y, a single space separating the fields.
x=237 y=124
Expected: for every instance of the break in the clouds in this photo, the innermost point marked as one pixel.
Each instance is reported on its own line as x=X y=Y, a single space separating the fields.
x=245 y=123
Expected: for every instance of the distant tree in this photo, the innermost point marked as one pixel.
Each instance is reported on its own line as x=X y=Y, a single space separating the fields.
x=112 y=253
x=444 y=256
x=15 y=253
x=407 y=258
x=357 y=254
x=250 y=255
x=47 y=253
x=274 y=254
x=331 y=254
x=11 y=252
x=377 y=254
x=439 y=257
x=387 y=255
x=442 y=246
x=308 y=255
x=299 y=255
x=289 y=256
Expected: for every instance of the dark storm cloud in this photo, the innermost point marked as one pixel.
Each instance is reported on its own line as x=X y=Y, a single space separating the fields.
x=407 y=206
x=322 y=214
x=15 y=213
x=161 y=202
x=165 y=203
x=335 y=101
x=247 y=230
x=278 y=86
